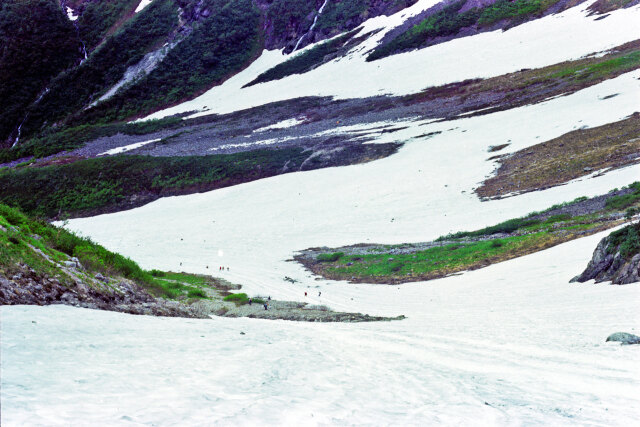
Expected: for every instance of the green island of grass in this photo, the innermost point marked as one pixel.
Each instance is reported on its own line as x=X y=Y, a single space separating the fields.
x=469 y=250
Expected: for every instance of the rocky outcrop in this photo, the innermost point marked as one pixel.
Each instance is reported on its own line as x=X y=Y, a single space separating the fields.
x=28 y=287
x=612 y=261
x=624 y=338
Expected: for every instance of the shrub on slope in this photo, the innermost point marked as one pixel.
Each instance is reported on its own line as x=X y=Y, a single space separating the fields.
x=98 y=17
x=304 y=61
x=37 y=41
x=222 y=45
x=73 y=90
x=105 y=183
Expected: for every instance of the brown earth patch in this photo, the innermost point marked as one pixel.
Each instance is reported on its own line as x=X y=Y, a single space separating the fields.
x=604 y=6
x=567 y=157
x=528 y=86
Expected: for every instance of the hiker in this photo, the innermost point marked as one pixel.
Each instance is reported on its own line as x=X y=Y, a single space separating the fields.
x=265 y=305
x=250 y=301
x=305 y=294
x=269 y=299
x=319 y=293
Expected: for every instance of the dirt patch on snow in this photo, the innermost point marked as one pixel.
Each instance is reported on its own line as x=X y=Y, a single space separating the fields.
x=573 y=155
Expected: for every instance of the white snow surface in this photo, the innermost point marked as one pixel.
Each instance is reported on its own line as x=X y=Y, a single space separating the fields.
x=511 y=344
x=71 y=14
x=549 y=40
x=142 y=5
x=281 y=125
x=125 y=148
x=422 y=192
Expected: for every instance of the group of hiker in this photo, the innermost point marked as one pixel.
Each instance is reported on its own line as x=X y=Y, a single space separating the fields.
x=222 y=268
x=265 y=305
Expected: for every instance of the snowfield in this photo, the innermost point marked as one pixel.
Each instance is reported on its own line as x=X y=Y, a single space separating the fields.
x=546 y=41
x=422 y=192
x=512 y=344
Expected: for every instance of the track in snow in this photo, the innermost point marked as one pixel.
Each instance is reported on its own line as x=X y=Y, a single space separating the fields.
x=510 y=344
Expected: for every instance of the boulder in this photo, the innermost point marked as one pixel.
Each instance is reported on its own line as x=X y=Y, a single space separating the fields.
x=600 y=262
x=624 y=338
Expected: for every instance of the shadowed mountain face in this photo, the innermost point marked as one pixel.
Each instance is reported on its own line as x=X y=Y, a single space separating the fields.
x=37 y=42
x=60 y=58
x=67 y=63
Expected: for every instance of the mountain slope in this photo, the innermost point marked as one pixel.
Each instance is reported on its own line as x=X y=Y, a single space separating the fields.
x=37 y=42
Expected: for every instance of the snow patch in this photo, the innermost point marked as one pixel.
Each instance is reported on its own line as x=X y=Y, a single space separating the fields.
x=258 y=143
x=125 y=148
x=511 y=344
x=71 y=14
x=281 y=125
x=142 y=5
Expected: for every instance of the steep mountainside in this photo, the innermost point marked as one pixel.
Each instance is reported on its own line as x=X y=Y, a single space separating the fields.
x=37 y=42
x=118 y=62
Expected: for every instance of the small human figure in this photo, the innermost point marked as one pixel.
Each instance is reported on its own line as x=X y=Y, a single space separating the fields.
x=269 y=298
x=319 y=293
x=265 y=306
x=305 y=294
x=250 y=301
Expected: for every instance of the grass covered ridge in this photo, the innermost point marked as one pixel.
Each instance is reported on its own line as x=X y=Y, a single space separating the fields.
x=468 y=250
x=44 y=248
x=39 y=245
x=120 y=182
